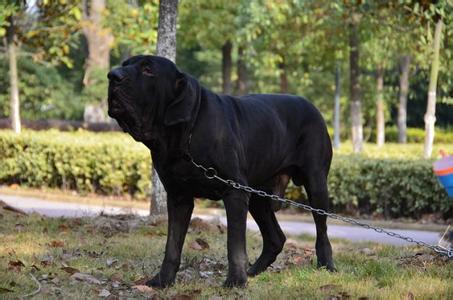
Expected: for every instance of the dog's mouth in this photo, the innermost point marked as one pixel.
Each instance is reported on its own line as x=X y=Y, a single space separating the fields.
x=116 y=99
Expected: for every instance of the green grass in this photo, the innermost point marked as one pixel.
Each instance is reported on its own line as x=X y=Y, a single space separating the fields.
x=46 y=245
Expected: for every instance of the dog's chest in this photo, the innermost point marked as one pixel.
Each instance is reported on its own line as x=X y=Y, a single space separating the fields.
x=184 y=176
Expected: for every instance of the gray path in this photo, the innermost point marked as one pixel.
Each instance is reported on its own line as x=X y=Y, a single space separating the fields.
x=56 y=209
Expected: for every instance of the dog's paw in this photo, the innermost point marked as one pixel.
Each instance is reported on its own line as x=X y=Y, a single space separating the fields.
x=329 y=266
x=232 y=282
x=159 y=281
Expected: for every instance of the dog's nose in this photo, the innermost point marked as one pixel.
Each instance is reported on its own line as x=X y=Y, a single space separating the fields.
x=115 y=75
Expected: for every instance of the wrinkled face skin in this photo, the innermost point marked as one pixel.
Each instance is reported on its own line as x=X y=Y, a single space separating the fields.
x=139 y=92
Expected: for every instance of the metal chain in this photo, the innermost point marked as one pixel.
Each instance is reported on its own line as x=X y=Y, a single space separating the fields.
x=211 y=173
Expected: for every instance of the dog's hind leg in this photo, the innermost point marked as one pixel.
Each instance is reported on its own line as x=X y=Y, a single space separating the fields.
x=315 y=182
x=273 y=238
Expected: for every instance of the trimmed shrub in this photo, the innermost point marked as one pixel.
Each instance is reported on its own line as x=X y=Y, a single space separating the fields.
x=414 y=135
x=391 y=187
x=106 y=163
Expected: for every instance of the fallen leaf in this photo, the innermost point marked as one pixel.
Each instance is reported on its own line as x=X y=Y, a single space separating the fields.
x=5 y=290
x=142 y=281
x=111 y=262
x=149 y=291
x=34 y=268
x=195 y=246
x=63 y=227
x=86 y=278
x=410 y=296
x=56 y=244
x=70 y=270
x=118 y=277
x=46 y=261
x=104 y=293
x=16 y=265
x=202 y=243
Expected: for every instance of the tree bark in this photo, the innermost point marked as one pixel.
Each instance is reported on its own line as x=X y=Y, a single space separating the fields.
x=13 y=77
x=226 y=67
x=166 y=47
x=430 y=116
x=99 y=39
x=283 y=78
x=336 y=111
x=380 y=119
x=355 y=90
x=242 y=82
x=402 y=106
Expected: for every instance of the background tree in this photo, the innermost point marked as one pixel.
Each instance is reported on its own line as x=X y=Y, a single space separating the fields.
x=11 y=12
x=430 y=116
x=166 y=47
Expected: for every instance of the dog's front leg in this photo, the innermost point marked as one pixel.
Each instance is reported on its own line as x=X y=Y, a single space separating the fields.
x=179 y=212
x=236 y=206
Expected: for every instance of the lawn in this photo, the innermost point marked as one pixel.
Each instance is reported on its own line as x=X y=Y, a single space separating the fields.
x=109 y=257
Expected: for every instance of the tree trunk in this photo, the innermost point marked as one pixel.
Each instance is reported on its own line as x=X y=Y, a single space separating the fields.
x=283 y=78
x=380 y=119
x=13 y=78
x=356 y=101
x=226 y=67
x=430 y=116
x=402 y=106
x=336 y=112
x=99 y=39
x=166 y=47
x=242 y=82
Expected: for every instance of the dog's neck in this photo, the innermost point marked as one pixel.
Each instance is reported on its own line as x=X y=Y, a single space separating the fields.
x=172 y=142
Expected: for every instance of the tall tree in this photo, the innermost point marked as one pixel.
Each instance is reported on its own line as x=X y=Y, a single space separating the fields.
x=336 y=111
x=242 y=80
x=430 y=116
x=99 y=39
x=14 y=89
x=380 y=119
x=227 y=65
x=402 y=105
x=355 y=90
x=166 y=47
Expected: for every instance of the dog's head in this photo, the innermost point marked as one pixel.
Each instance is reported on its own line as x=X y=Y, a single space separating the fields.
x=147 y=91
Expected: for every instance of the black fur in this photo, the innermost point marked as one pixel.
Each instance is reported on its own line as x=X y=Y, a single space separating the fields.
x=259 y=140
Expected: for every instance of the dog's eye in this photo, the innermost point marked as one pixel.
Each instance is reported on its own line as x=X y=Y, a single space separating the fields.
x=146 y=70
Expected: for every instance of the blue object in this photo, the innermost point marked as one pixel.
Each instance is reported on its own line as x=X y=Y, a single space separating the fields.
x=447 y=182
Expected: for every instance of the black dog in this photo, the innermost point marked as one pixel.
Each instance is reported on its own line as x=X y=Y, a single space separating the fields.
x=257 y=140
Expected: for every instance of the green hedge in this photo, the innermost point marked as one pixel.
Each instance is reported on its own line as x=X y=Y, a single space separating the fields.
x=392 y=187
x=414 y=135
x=112 y=163
x=388 y=187
x=85 y=162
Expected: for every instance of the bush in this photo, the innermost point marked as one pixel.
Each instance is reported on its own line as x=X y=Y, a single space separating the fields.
x=107 y=163
x=414 y=135
x=392 y=187
x=112 y=163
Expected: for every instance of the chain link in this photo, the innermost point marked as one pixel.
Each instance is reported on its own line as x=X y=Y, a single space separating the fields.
x=211 y=173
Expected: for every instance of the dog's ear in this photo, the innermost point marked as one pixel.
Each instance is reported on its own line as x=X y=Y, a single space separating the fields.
x=180 y=110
